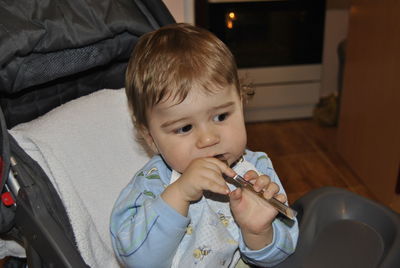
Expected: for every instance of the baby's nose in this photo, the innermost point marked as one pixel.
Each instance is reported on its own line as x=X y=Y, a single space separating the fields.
x=207 y=138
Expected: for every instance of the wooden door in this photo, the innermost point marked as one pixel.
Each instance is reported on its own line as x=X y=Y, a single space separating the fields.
x=369 y=123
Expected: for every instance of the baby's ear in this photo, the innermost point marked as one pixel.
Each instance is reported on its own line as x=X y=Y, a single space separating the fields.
x=148 y=139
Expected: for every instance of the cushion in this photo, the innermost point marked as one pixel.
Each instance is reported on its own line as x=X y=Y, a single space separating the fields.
x=89 y=151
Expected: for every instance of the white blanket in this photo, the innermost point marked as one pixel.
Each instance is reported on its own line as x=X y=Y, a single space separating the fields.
x=87 y=147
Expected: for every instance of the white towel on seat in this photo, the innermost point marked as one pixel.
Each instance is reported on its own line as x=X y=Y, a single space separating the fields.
x=87 y=148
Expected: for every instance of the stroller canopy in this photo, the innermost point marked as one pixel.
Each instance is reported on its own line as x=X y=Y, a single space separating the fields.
x=55 y=51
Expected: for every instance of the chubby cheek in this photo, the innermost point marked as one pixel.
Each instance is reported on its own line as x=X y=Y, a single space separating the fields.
x=177 y=156
x=238 y=142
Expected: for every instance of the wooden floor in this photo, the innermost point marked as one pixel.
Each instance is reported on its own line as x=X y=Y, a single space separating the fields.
x=304 y=156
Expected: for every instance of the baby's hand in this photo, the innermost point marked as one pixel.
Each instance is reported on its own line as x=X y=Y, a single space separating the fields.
x=201 y=174
x=254 y=215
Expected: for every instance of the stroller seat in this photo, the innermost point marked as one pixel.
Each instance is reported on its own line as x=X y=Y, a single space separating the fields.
x=88 y=150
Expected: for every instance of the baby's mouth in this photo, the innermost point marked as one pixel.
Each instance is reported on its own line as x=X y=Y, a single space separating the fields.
x=224 y=159
x=220 y=157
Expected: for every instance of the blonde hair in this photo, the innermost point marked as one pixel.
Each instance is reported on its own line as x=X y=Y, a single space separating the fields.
x=166 y=63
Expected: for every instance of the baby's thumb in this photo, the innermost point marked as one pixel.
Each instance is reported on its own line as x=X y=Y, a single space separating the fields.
x=235 y=196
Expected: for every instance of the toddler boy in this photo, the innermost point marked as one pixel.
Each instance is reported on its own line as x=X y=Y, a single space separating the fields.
x=179 y=211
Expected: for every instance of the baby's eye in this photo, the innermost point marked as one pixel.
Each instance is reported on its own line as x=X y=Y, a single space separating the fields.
x=220 y=117
x=184 y=129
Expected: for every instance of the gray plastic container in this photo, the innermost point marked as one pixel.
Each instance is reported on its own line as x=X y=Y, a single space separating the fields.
x=340 y=229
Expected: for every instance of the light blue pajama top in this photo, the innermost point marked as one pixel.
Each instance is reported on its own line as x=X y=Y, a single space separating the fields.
x=147 y=232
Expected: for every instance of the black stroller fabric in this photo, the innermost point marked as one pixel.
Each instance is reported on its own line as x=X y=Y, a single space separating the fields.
x=52 y=52
x=55 y=51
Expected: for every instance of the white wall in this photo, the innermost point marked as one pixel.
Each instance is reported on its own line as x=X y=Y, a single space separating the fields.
x=181 y=10
x=336 y=22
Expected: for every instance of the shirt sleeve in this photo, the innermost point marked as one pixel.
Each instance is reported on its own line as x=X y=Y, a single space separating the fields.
x=145 y=231
x=285 y=235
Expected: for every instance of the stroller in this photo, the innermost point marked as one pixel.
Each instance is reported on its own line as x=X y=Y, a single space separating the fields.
x=51 y=53
x=68 y=145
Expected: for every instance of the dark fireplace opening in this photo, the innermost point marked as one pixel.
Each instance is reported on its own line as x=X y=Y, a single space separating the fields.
x=266 y=33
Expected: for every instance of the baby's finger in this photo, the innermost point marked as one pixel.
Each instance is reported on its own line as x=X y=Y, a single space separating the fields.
x=223 y=166
x=236 y=195
x=261 y=183
x=281 y=197
x=250 y=176
x=215 y=186
x=271 y=190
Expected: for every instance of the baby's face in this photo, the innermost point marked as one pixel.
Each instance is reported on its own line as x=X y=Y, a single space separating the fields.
x=203 y=125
